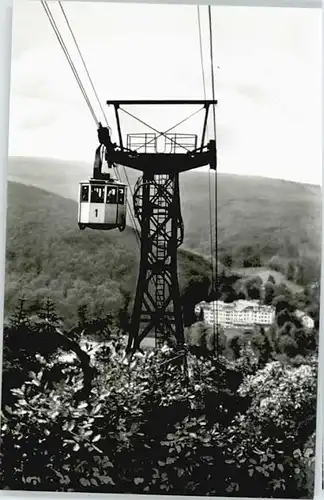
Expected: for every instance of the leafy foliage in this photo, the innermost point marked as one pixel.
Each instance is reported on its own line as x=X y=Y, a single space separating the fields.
x=147 y=428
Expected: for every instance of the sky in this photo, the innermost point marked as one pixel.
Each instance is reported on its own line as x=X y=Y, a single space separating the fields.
x=268 y=75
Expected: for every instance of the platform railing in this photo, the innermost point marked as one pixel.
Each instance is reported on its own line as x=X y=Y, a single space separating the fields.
x=163 y=144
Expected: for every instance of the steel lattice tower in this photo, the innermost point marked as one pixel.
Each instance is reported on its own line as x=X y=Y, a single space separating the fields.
x=157 y=305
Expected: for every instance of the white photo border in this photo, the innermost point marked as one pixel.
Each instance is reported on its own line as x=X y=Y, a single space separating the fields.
x=6 y=13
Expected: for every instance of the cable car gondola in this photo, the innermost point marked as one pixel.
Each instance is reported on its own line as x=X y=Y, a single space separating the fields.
x=102 y=205
x=102 y=200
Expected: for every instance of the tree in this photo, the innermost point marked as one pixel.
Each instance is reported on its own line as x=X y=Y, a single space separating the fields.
x=235 y=343
x=82 y=316
x=269 y=293
x=196 y=291
x=227 y=260
x=273 y=436
x=308 y=270
x=253 y=288
x=287 y=345
x=252 y=261
x=301 y=274
x=283 y=290
x=254 y=292
x=277 y=264
x=48 y=315
x=248 y=255
x=281 y=304
x=19 y=320
x=228 y=294
x=307 y=341
x=291 y=271
x=28 y=338
x=216 y=340
x=205 y=339
x=271 y=279
x=284 y=318
x=262 y=344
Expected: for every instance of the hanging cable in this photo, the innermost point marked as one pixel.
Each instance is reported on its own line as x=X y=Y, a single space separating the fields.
x=213 y=264
x=84 y=93
x=212 y=66
x=161 y=134
x=105 y=117
x=201 y=52
x=67 y=55
x=84 y=63
x=211 y=226
x=216 y=277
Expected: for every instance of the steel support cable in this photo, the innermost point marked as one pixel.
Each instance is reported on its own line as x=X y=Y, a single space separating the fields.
x=133 y=220
x=74 y=70
x=211 y=229
x=103 y=113
x=160 y=134
x=201 y=51
x=212 y=66
x=137 y=232
x=84 y=63
x=154 y=129
x=215 y=131
x=68 y=57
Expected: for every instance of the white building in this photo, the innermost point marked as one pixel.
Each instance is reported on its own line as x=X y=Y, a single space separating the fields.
x=244 y=313
x=238 y=313
x=306 y=320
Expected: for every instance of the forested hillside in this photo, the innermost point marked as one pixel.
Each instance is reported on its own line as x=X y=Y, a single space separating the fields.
x=47 y=255
x=268 y=216
x=259 y=219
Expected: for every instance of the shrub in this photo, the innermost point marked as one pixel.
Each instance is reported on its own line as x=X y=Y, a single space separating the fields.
x=148 y=428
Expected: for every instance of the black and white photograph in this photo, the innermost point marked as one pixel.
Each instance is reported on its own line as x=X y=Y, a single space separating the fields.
x=163 y=250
